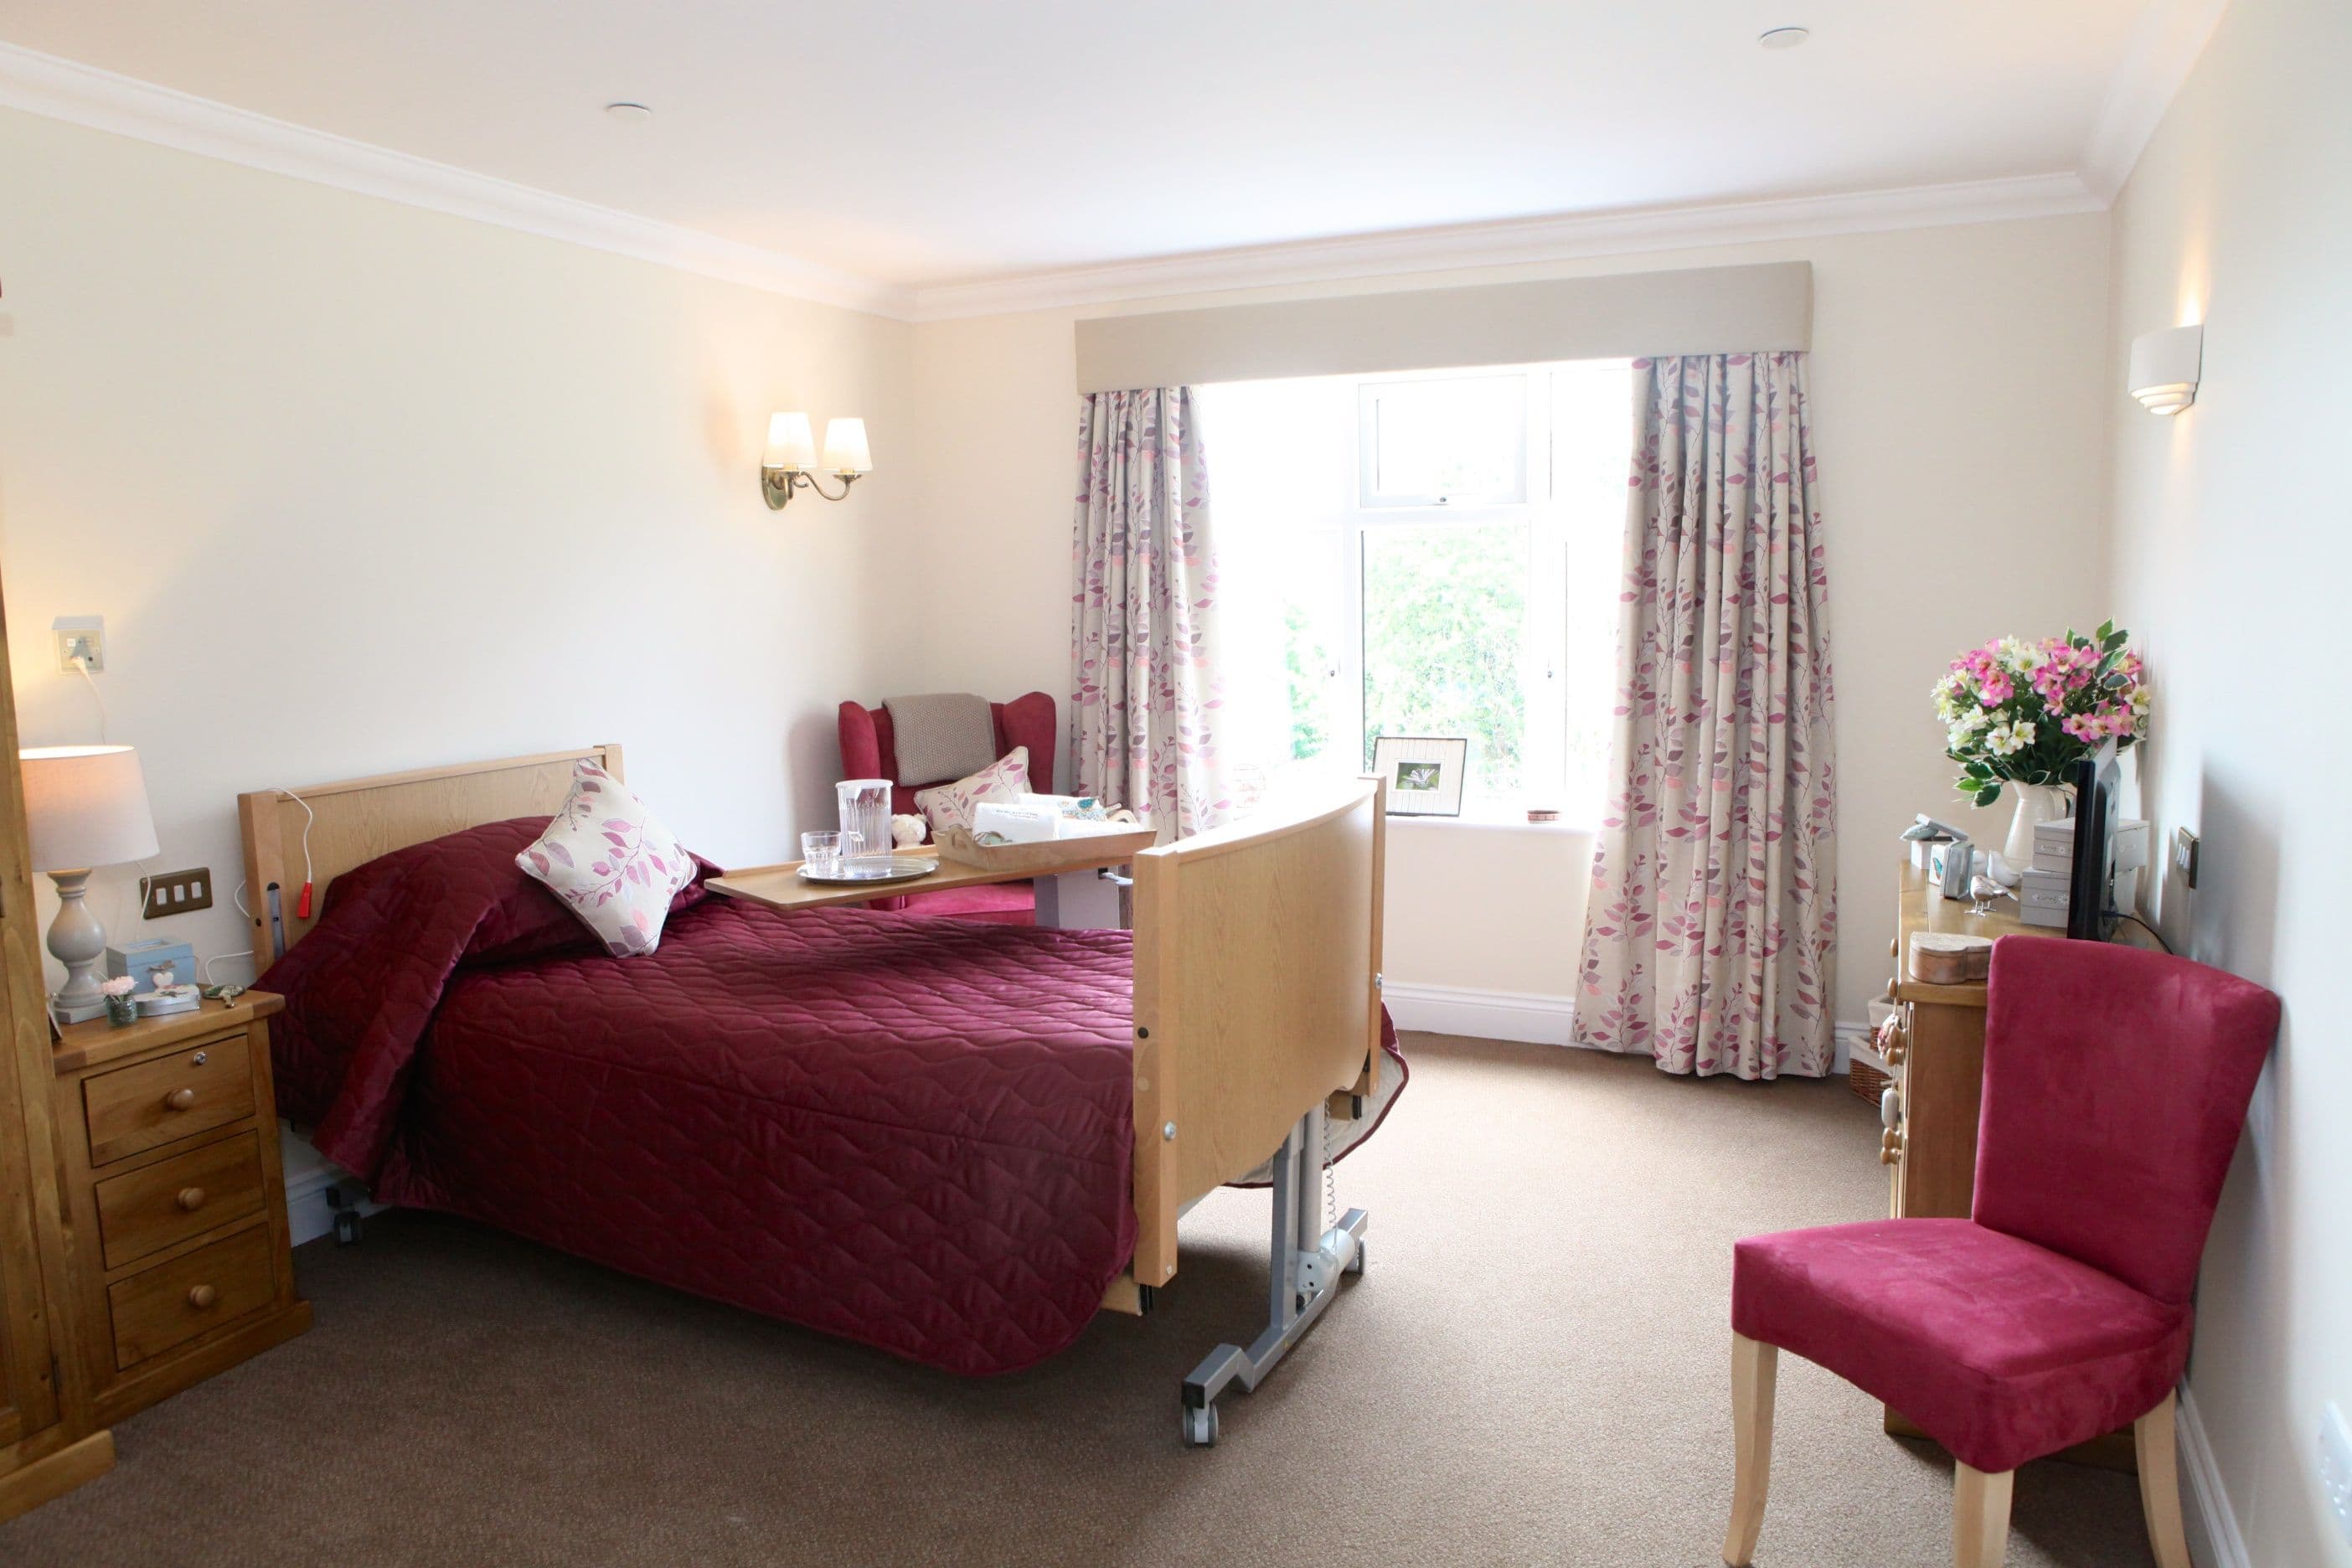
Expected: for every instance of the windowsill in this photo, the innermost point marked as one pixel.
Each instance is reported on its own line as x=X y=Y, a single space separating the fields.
x=1491 y=822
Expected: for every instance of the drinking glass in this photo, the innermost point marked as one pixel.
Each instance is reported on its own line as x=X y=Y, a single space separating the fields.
x=822 y=852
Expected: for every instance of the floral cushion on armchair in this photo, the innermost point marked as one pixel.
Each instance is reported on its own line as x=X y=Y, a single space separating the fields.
x=950 y=804
x=611 y=861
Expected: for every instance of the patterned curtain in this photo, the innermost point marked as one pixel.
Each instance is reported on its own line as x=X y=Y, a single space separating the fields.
x=1144 y=696
x=1710 y=936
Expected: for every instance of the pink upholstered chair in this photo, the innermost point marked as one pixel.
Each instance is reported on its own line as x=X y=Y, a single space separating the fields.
x=867 y=752
x=2116 y=1082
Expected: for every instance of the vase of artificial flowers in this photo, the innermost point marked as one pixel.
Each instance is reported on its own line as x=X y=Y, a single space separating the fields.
x=121 y=1006
x=2017 y=716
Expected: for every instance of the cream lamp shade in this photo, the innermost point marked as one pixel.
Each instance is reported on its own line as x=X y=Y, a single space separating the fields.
x=790 y=443
x=2165 y=367
x=844 y=447
x=86 y=806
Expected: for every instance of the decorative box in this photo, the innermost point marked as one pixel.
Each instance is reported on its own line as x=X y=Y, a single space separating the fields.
x=1941 y=958
x=2042 y=897
x=2053 y=844
x=140 y=960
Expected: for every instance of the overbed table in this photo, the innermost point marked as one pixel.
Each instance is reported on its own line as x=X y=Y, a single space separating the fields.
x=1072 y=892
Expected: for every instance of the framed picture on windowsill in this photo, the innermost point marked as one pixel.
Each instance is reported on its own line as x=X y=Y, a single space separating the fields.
x=1425 y=773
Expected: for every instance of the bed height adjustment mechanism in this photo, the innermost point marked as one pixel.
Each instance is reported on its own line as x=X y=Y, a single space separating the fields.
x=1304 y=1261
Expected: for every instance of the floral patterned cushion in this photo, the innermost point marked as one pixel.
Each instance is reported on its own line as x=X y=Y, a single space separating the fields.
x=611 y=861
x=949 y=804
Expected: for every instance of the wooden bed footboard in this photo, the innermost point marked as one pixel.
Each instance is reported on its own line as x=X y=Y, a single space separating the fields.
x=1258 y=956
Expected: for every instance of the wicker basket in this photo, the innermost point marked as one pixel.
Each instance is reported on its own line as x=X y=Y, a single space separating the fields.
x=1867 y=1081
x=1864 y=1074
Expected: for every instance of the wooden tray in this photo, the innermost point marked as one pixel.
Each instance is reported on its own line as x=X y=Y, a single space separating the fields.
x=1055 y=855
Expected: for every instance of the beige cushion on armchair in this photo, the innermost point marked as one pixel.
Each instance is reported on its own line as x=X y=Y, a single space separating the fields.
x=949 y=804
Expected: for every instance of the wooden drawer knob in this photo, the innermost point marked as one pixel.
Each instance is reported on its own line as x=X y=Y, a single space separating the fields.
x=190 y=1198
x=180 y=1099
x=1890 y=1148
x=202 y=1297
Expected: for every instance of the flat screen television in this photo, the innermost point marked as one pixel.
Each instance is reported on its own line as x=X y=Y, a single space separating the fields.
x=2091 y=882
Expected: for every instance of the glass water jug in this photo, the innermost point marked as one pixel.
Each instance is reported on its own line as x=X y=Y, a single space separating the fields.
x=866 y=811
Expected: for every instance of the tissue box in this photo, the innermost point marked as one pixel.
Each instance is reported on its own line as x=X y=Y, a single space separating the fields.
x=1078 y=808
x=142 y=959
x=1020 y=824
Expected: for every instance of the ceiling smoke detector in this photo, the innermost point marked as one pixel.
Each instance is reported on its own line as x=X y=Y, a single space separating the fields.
x=629 y=114
x=1784 y=37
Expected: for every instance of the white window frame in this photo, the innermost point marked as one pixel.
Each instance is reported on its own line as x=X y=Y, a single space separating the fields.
x=1544 y=635
x=1370 y=497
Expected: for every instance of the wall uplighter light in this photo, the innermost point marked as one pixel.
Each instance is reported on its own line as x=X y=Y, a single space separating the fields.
x=2165 y=367
x=790 y=461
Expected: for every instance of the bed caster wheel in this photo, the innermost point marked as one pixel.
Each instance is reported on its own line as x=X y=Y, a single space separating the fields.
x=343 y=1198
x=1356 y=1264
x=1200 y=1426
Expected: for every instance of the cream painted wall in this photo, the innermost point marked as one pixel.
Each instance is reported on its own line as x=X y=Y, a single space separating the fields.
x=360 y=486
x=354 y=484
x=2230 y=554
x=1960 y=411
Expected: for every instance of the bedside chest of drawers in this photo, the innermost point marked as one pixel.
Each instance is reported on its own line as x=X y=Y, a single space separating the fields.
x=174 y=1201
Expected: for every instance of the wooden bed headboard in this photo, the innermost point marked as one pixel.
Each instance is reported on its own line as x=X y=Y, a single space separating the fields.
x=350 y=823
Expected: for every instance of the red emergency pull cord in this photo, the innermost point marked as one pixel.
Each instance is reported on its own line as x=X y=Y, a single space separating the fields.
x=303 y=904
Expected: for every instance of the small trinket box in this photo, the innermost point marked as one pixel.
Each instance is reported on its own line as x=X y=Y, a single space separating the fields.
x=1939 y=958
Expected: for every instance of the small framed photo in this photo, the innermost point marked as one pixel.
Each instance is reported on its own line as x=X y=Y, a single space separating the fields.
x=1425 y=773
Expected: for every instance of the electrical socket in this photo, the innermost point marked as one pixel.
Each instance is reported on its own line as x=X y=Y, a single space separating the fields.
x=178 y=893
x=2335 y=1466
x=2184 y=856
x=80 y=636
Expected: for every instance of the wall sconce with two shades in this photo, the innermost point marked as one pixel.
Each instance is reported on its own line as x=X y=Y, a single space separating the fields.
x=790 y=462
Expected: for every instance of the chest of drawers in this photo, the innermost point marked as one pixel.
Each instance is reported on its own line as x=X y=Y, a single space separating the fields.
x=174 y=1198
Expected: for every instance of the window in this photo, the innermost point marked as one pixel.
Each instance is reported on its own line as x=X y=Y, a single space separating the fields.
x=1425 y=555
x=1457 y=441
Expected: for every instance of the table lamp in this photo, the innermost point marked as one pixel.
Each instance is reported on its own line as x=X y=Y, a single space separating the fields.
x=85 y=806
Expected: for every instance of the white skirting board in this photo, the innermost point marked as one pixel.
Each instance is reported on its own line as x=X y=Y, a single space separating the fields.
x=1532 y=1017
x=2214 y=1538
x=309 y=1175
x=1529 y=1016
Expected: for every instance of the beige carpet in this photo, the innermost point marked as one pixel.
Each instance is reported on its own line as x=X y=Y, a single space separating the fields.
x=1533 y=1372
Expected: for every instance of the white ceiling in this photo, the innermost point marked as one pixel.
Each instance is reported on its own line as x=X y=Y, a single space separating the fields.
x=921 y=142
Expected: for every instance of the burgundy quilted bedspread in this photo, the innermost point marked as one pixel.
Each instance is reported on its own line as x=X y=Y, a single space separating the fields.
x=915 y=1133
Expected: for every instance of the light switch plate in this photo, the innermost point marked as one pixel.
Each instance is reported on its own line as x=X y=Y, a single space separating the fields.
x=2184 y=856
x=178 y=892
x=2335 y=1466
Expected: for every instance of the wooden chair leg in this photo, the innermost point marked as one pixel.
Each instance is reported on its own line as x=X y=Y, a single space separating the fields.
x=2159 y=1485
x=1755 y=1366
x=1981 y=1516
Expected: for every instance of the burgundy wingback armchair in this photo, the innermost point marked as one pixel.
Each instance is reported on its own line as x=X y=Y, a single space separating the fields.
x=2116 y=1082
x=867 y=752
